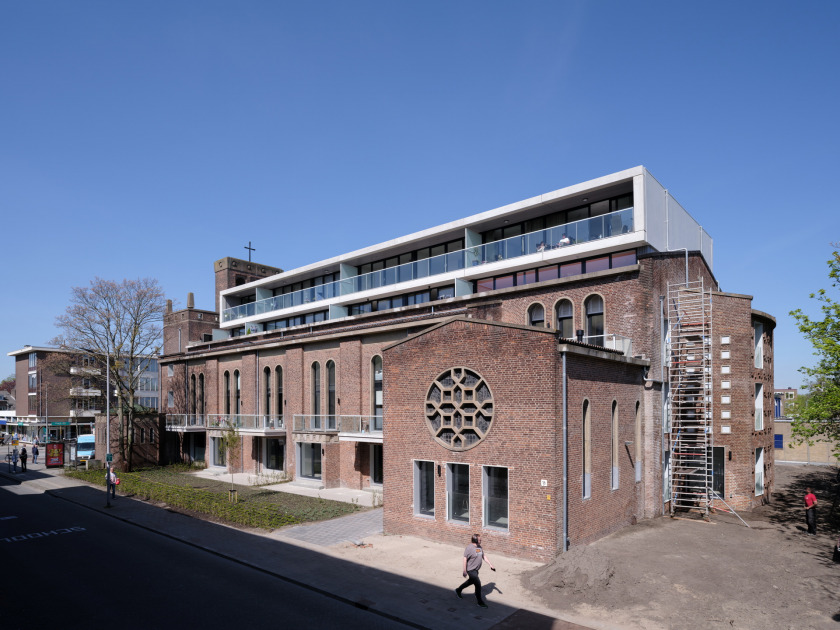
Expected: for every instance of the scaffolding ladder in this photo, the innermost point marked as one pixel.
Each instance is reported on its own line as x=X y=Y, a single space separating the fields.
x=690 y=412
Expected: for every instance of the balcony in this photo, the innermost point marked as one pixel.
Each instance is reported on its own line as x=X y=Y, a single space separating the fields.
x=84 y=392
x=247 y=423
x=555 y=238
x=184 y=423
x=85 y=371
x=315 y=424
x=83 y=413
x=610 y=341
x=360 y=429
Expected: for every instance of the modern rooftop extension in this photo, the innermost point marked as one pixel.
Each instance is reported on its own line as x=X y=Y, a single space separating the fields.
x=595 y=225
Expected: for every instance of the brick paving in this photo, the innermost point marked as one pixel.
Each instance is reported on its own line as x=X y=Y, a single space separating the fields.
x=353 y=528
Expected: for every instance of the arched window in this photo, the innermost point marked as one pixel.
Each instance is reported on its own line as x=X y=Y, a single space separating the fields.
x=331 y=407
x=278 y=380
x=587 y=451
x=614 y=444
x=227 y=393
x=201 y=394
x=638 y=437
x=192 y=394
x=376 y=392
x=316 y=391
x=536 y=315
x=237 y=385
x=266 y=391
x=594 y=307
x=565 y=319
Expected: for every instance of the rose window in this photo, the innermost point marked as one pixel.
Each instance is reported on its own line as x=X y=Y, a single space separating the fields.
x=459 y=409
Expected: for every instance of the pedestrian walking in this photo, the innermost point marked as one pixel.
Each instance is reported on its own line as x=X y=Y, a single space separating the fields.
x=111 y=481
x=35 y=452
x=811 y=512
x=474 y=556
x=23 y=457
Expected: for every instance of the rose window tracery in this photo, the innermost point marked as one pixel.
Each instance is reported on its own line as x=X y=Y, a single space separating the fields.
x=459 y=409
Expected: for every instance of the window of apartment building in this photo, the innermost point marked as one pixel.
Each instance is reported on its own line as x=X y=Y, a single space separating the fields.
x=237 y=392
x=594 y=307
x=424 y=488
x=170 y=371
x=614 y=442
x=170 y=399
x=458 y=492
x=33 y=360
x=587 y=451
x=565 y=319
x=201 y=394
x=33 y=382
x=376 y=392
x=192 y=394
x=278 y=380
x=33 y=405
x=376 y=464
x=331 y=395
x=718 y=470
x=495 y=489
x=759 y=471
x=218 y=450
x=666 y=477
x=275 y=451
x=316 y=389
x=758 y=329
x=142 y=435
x=759 y=406
x=310 y=460
x=266 y=391
x=638 y=437
x=227 y=393
x=536 y=315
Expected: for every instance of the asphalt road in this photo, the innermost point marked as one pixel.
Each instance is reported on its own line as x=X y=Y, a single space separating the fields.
x=70 y=567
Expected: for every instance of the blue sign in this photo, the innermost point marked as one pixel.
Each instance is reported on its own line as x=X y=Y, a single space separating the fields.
x=778 y=441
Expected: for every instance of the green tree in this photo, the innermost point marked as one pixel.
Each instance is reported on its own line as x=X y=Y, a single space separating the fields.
x=816 y=417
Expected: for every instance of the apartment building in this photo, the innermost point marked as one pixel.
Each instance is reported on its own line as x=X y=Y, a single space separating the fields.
x=545 y=372
x=60 y=391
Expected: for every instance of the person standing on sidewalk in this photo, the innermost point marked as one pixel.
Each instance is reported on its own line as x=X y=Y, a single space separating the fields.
x=474 y=556
x=811 y=512
x=35 y=452
x=23 y=457
x=15 y=455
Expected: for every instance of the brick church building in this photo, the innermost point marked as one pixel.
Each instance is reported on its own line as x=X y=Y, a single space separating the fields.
x=546 y=372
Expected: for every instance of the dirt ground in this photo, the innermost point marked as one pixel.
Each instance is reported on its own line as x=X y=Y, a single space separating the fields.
x=669 y=573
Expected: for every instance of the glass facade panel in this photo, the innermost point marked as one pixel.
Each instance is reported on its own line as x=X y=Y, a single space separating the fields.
x=504 y=282
x=597 y=264
x=623 y=259
x=310 y=460
x=549 y=273
x=571 y=269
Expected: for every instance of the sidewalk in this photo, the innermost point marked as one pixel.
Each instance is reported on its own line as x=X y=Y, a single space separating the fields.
x=399 y=577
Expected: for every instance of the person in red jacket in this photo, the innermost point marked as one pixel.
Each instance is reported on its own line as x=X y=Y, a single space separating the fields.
x=811 y=512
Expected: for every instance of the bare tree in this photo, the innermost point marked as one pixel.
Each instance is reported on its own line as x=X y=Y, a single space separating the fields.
x=122 y=320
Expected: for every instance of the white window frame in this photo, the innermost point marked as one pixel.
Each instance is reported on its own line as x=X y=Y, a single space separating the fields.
x=614 y=476
x=758 y=329
x=418 y=472
x=759 y=406
x=449 y=479
x=485 y=498
x=759 y=471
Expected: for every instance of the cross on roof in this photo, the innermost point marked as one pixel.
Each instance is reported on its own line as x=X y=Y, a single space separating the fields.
x=250 y=249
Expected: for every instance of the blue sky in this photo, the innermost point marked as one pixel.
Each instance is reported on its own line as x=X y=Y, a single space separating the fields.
x=153 y=138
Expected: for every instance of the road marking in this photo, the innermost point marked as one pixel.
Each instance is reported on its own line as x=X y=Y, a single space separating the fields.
x=36 y=535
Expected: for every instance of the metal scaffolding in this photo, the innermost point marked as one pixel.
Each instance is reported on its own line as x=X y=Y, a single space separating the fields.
x=690 y=414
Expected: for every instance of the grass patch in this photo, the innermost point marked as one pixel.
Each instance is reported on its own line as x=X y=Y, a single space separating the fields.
x=256 y=507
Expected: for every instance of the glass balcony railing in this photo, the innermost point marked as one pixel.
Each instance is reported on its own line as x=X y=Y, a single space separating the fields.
x=367 y=425
x=245 y=422
x=176 y=421
x=315 y=424
x=583 y=231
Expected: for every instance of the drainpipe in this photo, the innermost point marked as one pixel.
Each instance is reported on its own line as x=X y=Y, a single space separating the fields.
x=565 y=459
x=662 y=351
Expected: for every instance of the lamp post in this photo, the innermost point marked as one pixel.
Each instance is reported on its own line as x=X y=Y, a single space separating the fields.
x=108 y=455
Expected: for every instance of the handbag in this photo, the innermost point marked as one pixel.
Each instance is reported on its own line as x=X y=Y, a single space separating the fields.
x=117 y=482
